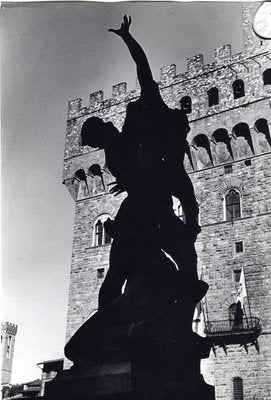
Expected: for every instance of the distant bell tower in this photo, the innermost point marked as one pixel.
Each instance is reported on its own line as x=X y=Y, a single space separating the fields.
x=8 y=333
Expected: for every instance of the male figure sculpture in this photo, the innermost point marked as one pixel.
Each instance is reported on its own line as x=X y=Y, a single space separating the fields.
x=147 y=160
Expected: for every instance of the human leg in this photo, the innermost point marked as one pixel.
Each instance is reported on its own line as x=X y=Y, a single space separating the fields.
x=115 y=277
x=177 y=241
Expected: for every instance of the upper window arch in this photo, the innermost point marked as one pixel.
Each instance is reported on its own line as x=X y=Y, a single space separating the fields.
x=232 y=205
x=267 y=77
x=261 y=126
x=213 y=96
x=221 y=136
x=186 y=104
x=80 y=180
x=242 y=130
x=202 y=141
x=238 y=87
x=100 y=236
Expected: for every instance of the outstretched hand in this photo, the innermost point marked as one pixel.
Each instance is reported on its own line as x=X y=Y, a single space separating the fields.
x=124 y=29
x=116 y=189
x=124 y=183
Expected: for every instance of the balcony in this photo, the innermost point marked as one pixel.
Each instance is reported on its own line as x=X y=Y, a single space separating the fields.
x=225 y=332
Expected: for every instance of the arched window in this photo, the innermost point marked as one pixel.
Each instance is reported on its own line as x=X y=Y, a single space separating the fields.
x=177 y=208
x=267 y=77
x=100 y=236
x=261 y=126
x=221 y=136
x=242 y=130
x=213 y=98
x=202 y=141
x=186 y=104
x=238 y=88
x=238 y=391
x=80 y=179
x=95 y=172
x=233 y=205
x=98 y=233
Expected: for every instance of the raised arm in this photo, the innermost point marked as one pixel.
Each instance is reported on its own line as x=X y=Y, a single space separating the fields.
x=143 y=69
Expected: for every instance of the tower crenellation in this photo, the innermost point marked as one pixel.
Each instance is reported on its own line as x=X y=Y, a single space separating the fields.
x=194 y=84
x=9 y=327
x=237 y=66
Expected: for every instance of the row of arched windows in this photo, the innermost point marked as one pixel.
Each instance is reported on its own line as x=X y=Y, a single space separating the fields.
x=229 y=145
x=238 y=88
x=232 y=211
x=201 y=153
x=232 y=206
x=91 y=183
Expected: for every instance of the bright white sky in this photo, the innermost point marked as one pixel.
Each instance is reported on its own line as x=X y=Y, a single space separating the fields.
x=52 y=53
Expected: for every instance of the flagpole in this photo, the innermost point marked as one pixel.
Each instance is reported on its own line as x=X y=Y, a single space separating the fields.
x=245 y=314
x=248 y=302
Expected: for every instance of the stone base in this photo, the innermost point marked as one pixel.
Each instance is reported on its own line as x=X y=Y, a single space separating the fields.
x=153 y=359
x=108 y=381
x=154 y=372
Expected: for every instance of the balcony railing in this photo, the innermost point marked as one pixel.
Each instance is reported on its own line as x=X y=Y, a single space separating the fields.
x=229 y=326
x=225 y=332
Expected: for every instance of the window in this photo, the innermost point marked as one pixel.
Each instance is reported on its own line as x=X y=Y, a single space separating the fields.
x=95 y=172
x=100 y=236
x=177 y=208
x=228 y=169
x=213 y=96
x=233 y=206
x=238 y=88
x=107 y=238
x=238 y=392
x=242 y=130
x=186 y=104
x=80 y=179
x=267 y=77
x=239 y=248
x=100 y=273
x=8 y=346
x=261 y=126
x=232 y=310
x=99 y=233
x=236 y=275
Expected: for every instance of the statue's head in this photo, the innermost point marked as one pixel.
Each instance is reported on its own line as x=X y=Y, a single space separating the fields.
x=96 y=133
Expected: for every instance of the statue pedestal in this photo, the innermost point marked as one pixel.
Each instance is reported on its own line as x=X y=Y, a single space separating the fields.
x=157 y=358
x=146 y=370
x=105 y=381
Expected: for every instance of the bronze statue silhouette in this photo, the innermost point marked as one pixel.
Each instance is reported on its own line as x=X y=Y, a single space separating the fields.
x=147 y=161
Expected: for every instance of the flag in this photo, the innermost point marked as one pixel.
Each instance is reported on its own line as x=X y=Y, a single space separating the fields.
x=242 y=290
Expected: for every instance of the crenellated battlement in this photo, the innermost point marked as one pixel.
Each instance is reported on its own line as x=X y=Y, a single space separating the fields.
x=234 y=66
x=9 y=328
